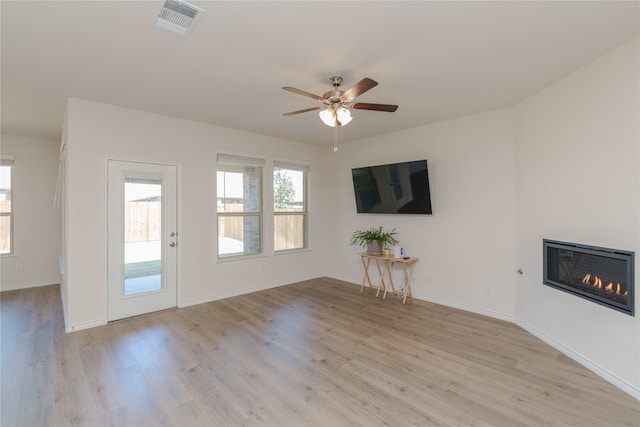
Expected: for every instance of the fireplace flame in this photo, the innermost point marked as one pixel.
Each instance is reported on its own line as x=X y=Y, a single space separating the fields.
x=610 y=288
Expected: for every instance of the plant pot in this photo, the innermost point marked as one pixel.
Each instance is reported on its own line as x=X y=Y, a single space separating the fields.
x=373 y=248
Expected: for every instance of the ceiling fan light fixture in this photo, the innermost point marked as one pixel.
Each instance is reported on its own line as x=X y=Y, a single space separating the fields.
x=344 y=115
x=331 y=116
x=328 y=116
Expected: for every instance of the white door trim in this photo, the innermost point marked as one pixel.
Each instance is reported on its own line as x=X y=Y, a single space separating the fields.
x=127 y=306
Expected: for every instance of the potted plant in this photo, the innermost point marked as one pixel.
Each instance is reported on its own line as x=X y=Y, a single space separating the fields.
x=374 y=239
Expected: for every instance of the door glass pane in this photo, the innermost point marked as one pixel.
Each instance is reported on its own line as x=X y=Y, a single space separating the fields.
x=142 y=235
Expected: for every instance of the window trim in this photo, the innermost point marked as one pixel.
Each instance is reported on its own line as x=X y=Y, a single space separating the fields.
x=9 y=160
x=226 y=163
x=305 y=169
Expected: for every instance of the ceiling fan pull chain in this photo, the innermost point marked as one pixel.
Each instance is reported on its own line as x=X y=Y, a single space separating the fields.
x=335 y=139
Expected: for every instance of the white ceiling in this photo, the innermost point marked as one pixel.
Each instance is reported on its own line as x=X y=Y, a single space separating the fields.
x=436 y=60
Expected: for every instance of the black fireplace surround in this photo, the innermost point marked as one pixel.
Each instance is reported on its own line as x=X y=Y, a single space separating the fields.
x=602 y=275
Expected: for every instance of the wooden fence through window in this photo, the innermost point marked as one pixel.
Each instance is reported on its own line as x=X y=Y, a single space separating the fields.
x=5 y=227
x=143 y=223
x=289 y=229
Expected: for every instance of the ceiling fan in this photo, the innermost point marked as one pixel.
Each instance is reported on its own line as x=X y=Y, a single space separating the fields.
x=334 y=110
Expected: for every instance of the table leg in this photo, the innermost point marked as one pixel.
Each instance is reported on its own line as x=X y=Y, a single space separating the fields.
x=382 y=283
x=366 y=277
x=388 y=264
x=407 y=278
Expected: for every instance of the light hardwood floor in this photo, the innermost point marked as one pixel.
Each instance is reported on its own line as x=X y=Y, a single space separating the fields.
x=315 y=353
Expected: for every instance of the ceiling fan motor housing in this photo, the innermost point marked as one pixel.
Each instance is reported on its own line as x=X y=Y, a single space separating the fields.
x=333 y=95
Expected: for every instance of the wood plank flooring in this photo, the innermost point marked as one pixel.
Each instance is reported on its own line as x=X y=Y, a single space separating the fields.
x=315 y=353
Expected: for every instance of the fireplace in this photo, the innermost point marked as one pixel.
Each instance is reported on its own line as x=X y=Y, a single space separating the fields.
x=604 y=276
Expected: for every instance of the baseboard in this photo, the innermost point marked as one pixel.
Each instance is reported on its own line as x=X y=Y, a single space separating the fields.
x=465 y=307
x=243 y=291
x=16 y=286
x=348 y=281
x=440 y=301
x=608 y=376
x=86 y=325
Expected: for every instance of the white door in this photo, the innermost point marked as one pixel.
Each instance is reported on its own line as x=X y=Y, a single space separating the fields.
x=142 y=238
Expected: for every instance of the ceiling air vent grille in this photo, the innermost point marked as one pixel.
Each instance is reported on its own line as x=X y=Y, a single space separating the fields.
x=178 y=16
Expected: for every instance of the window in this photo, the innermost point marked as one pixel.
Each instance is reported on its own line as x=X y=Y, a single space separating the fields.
x=289 y=206
x=6 y=208
x=239 y=205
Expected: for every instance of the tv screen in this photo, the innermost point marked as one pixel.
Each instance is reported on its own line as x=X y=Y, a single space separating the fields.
x=397 y=188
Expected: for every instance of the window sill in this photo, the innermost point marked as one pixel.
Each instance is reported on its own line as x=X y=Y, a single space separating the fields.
x=248 y=258
x=240 y=258
x=291 y=251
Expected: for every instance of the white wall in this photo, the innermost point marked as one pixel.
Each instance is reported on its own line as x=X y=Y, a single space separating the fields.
x=36 y=226
x=97 y=132
x=578 y=162
x=467 y=247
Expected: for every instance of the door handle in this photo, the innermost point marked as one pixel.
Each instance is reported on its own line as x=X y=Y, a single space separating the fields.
x=172 y=244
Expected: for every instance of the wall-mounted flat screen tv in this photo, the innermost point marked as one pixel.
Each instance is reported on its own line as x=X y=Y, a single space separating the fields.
x=397 y=188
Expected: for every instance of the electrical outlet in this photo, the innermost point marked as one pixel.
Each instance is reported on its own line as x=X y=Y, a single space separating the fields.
x=487 y=290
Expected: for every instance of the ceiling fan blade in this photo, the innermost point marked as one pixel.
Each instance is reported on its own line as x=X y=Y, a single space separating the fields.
x=358 y=89
x=302 y=92
x=375 y=107
x=302 y=111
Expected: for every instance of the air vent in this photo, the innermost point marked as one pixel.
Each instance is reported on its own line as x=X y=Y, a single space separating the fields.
x=178 y=17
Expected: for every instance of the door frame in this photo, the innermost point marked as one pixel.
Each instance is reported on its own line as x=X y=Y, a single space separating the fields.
x=178 y=216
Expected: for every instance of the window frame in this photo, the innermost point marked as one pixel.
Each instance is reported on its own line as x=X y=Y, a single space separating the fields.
x=8 y=161
x=304 y=213
x=226 y=163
